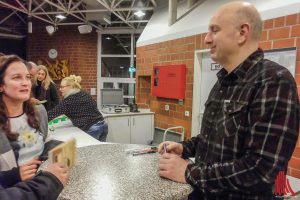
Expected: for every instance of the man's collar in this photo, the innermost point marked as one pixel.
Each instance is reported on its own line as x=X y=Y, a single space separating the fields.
x=241 y=70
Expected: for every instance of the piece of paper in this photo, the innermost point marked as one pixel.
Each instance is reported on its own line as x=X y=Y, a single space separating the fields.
x=64 y=153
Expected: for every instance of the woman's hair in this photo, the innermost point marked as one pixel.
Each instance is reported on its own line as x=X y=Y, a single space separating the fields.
x=46 y=82
x=28 y=108
x=73 y=81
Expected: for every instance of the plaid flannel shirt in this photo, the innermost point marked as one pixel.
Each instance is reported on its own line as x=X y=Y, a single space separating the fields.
x=249 y=130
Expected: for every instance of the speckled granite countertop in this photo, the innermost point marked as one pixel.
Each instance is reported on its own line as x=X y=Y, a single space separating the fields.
x=106 y=172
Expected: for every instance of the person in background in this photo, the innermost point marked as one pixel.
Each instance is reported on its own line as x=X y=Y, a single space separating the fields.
x=32 y=68
x=23 y=130
x=44 y=89
x=251 y=119
x=2 y=54
x=81 y=108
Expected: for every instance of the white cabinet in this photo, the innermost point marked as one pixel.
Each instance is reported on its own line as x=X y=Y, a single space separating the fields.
x=130 y=128
x=142 y=128
x=118 y=129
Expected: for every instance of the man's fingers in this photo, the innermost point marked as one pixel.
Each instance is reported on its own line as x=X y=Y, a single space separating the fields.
x=163 y=173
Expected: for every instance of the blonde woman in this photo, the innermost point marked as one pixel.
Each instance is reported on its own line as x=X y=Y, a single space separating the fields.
x=81 y=108
x=44 y=89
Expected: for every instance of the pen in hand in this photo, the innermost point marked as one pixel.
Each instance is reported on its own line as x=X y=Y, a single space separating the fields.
x=165 y=147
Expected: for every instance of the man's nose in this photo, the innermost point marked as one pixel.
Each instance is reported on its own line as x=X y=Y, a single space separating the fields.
x=207 y=39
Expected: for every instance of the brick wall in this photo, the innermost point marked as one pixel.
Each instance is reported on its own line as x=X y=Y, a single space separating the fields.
x=79 y=49
x=280 y=32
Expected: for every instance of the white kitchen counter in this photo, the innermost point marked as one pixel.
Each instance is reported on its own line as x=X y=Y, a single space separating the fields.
x=141 y=112
x=64 y=131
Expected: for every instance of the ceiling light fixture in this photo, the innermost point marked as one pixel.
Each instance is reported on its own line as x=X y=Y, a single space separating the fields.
x=83 y=29
x=139 y=13
x=108 y=38
x=60 y=16
x=51 y=29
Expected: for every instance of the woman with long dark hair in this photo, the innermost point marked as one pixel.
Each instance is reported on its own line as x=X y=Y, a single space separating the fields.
x=23 y=131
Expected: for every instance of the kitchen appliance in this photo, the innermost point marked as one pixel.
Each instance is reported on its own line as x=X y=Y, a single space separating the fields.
x=112 y=101
x=113 y=108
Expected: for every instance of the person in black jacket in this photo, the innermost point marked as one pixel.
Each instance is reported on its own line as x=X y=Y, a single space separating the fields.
x=44 y=89
x=46 y=185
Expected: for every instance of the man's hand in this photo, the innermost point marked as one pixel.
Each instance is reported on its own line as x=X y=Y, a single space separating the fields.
x=172 y=167
x=61 y=172
x=28 y=170
x=172 y=147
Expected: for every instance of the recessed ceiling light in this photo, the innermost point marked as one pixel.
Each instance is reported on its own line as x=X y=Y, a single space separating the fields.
x=121 y=67
x=108 y=38
x=60 y=16
x=139 y=13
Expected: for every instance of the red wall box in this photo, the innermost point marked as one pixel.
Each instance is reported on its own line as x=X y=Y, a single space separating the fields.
x=169 y=81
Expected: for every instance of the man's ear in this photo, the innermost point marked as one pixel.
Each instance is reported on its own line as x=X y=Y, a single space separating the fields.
x=244 y=33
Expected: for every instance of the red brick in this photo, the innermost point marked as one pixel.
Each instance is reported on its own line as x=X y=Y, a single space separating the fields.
x=298 y=66
x=296 y=153
x=268 y=24
x=265 y=45
x=298 y=43
x=283 y=43
x=295 y=173
x=264 y=36
x=294 y=163
x=296 y=31
x=279 y=22
x=291 y=19
x=279 y=33
x=297 y=78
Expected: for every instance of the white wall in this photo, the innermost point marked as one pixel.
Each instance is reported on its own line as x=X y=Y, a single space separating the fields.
x=196 y=22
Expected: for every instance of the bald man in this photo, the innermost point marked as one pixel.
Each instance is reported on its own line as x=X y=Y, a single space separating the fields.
x=251 y=119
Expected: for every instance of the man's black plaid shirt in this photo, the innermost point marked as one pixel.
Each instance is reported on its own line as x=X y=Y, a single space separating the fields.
x=249 y=131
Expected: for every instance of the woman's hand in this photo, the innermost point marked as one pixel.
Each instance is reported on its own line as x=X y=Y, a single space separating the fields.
x=28 y=170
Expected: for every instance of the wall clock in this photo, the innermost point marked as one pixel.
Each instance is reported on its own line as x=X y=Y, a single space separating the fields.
x=52 y=53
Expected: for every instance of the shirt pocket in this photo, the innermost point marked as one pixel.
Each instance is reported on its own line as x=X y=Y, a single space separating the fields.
x=234 y=112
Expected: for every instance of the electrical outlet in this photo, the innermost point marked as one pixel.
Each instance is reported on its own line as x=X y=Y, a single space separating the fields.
x=167 y=107
x=186 y=113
